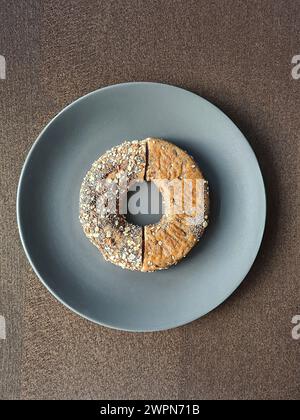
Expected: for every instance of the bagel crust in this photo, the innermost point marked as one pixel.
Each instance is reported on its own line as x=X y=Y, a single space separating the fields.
x=120 y=242
x=153 y=247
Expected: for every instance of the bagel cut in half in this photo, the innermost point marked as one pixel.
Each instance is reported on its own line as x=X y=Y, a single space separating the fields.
x=103 y=204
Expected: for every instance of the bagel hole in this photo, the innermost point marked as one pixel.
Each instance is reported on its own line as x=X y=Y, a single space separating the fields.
x=144 y=204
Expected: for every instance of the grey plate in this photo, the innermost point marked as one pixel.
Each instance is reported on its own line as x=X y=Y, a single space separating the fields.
x=72 y=269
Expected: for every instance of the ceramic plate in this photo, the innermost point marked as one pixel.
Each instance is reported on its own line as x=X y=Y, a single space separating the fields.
x=72 y=268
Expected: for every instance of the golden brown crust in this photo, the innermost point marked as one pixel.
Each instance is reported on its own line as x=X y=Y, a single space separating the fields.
x=167 y=242
x=153 y=247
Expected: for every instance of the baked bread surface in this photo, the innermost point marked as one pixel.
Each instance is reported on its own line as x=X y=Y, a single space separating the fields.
x=120 y=242
x=153 y=247
x=167 y=242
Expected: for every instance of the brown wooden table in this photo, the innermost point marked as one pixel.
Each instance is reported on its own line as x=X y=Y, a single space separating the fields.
x=238 y=54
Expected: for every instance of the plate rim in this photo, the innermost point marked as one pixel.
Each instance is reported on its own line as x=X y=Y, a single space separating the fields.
x=40 y=138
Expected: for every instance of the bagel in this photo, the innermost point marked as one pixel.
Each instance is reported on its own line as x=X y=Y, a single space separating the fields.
x=170 y=240
x=156 y=246
x=119 y=241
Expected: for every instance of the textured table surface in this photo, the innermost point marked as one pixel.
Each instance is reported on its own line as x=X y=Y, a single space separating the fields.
x=237 y=54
